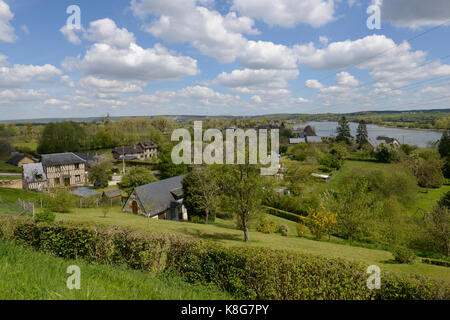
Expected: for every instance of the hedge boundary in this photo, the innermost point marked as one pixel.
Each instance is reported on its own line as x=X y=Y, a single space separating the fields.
x=244 y=272
x=284 y=214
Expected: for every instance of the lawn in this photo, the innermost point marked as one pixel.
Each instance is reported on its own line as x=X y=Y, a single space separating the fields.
x=7 y=168
x=26 y=274
x=224 y=232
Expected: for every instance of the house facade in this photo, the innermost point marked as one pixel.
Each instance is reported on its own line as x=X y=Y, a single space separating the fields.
x=34 y=177
x=64 y=170
x=161 y=200
x=141 y=151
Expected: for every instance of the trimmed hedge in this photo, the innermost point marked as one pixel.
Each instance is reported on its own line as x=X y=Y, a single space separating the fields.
x=283 y=214
x=436 y=262
x=246 y=273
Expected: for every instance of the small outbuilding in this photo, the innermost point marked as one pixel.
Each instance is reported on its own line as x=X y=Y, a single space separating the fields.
x=87 y=197
x=114 y=196
x=19 y=159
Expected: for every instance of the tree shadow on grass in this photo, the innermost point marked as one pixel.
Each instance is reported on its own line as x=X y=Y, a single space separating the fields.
x=212 y=236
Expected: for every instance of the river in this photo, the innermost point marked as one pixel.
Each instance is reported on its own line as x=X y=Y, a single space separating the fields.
x=420 y=138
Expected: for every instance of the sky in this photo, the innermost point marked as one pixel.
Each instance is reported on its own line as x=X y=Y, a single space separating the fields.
x=221 y=57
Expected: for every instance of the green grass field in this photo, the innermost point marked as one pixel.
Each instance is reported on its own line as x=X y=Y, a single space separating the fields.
x=225 y=233
x=7 y=168
x=30 y=275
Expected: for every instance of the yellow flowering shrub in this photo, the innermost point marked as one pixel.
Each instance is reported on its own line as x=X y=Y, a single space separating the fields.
x=320 y=221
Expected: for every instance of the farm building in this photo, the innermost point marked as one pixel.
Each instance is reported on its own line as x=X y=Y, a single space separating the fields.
x=64 y=169
x=160 y=200
x=87 y=196
x=141 y=151
x=113 y=196
x=34 y=177
x=19 y=159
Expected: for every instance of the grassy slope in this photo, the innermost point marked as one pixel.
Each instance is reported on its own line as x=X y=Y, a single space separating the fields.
x=7 y=168
x=25 y=274
x=224 y=232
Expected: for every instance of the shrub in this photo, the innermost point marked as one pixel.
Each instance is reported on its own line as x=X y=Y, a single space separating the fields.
x=62 y=201
x=284 y=230
x=45 y=216
x=244 y=272
x=197 y=219
x=301 y=229
x=403 y=255
x=266 y=225
x=320 y=222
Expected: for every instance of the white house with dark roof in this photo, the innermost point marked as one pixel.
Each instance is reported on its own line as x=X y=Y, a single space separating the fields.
x=55 y=170
x=160 y=200
x=34 y=177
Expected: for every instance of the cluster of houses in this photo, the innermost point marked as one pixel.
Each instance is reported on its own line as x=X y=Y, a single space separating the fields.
x=304 y=135
x=159 y=200
x=142 y=151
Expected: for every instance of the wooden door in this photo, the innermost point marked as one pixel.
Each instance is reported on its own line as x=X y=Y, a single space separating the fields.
x=134 y=206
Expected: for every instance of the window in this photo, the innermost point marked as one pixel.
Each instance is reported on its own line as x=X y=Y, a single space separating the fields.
x=77 y=166
x=172 y=214
x=56 y=180
x=77 y=178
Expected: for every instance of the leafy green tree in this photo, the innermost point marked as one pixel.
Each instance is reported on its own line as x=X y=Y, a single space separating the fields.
x=135 y=177
x=386 y=153
x=99 y=174
x=201 y=192
x=61 y=201
x=355 y=207
x=343 y=130
x=429 y=173
x=243 y=184
x=437 y=223
x=361 y=134
x=444 y=145
x=166 y=167
x=61 y=137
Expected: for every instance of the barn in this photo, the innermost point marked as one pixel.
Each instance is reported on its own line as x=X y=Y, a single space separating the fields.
x=160 y=200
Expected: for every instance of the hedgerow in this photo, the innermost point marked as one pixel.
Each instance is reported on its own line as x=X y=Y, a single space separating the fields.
x=246 y=273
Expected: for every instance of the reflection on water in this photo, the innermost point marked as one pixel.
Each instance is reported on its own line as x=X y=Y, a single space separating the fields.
x=420 y=138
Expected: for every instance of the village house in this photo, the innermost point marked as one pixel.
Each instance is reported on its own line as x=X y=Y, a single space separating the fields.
x=386 y=140
x=19 y=159
x=305 y=135
x=34 y=177
x=64 y=169
x=141 y=151
x=161 y=200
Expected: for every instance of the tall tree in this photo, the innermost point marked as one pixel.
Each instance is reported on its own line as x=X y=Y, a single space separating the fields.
x=61 y=137
x=243 y=185
x=343 y=130
x=137 y=176
x=361 y=134
x=444 y=145
x=201 y=192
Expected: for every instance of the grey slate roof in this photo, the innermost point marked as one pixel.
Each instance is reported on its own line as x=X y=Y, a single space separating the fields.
x=113 y=193
x=58 y=159
x=15 y=159
x=32 y=170
x=85 y=192
x=158 y=196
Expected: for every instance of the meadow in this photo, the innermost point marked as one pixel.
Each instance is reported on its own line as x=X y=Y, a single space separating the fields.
x=26 y=274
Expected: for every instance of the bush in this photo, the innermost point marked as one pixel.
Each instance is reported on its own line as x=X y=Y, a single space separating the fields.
x=403 y=255
x=197 y=219
x=244 y=272
x=284 y=230
x=266 y=225
x=62 y=201
x=45 y=216
x=301 y=229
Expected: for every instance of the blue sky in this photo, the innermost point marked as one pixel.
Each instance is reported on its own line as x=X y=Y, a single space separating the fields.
x=222 y=57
